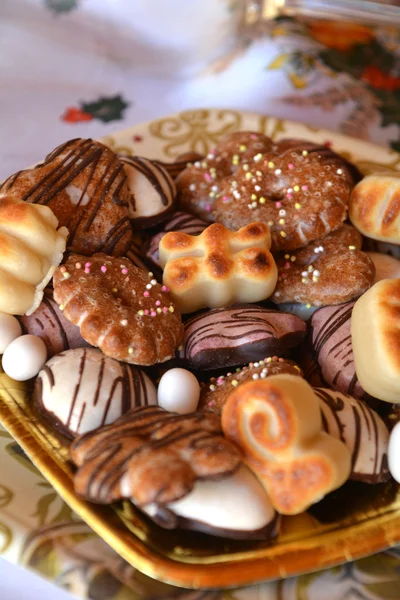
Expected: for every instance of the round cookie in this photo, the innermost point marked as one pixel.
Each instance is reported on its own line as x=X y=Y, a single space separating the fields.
x=227 y=337
x=49 y=323
x=152 y=191
x=119 y=308
x=330 y=340
x=214 y=395
x=329 y=271
x=80 y=390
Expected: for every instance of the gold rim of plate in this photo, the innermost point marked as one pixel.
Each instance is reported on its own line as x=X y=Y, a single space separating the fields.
x=370 y=519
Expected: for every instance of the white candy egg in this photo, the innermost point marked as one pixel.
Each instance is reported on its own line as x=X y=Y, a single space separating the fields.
x=24 y=357
x=10 y=329
x=178 y=391
x=394 y=452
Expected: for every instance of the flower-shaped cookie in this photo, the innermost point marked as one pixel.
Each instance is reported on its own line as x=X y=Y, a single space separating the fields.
x=84 y=184
x=277 y=425
x=119 y=308
x=151 y=455
x=218 y=267
x=31 y=247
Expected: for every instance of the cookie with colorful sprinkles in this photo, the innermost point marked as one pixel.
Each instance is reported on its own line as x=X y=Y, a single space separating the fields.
x=119 y=308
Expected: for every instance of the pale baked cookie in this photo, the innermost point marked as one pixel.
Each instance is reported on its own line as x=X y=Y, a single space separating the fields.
x=374 y=207
x=375 y=334
x=31 y=247
x=119 y=308
x=151 y=455
x=277 y=425
x=218 y=267
x=84 y=184
x=330 y=271
x=152 y=191
x=361 y=429
x=386 y=267
x=80 y=390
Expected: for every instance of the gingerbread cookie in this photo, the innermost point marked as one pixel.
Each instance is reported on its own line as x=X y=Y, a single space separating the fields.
x=152 y=191
x=218 y=267
x=277 y=425
x=31 y=247
x=227 y=337
x=361 y=429
x=150 y=455
x=330 y=271
x=330 y=341
x=80 y=390
x=374 y=207
x=179 y=221
x=49 y=323
x=119 y=308
x=84 y=184
x=375 y=335
x=214 y=395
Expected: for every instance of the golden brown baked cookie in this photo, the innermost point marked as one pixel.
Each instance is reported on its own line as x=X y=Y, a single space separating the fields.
x=329 y=271
x=119 y=308
x=151 y=455
x=84 y=184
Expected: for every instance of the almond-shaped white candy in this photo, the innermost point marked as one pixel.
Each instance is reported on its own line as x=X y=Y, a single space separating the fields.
x=152 y=190
x=178 y=391
x=236 y=506
x=387 y=267
x=375 y=334
x=361 y=429
x=24 y=357
x=82 y=389
x=394 y=452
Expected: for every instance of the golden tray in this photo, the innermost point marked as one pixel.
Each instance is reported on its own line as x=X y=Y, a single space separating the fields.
x=355 y=521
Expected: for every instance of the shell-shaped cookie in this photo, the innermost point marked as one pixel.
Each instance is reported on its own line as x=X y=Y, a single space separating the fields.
x=81 y=390
x=361 y=429
x=31 y=247
x=152 y=191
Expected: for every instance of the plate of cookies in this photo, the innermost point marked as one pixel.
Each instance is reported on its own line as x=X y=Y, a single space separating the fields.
x=200 y=340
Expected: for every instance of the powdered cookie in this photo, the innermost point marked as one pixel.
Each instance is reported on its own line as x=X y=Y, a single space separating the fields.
x=330 y=271
x=118 y=308
x=84 y=184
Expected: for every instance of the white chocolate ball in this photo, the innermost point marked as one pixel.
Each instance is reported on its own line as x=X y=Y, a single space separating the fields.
x=394 y=452
x=178 y=391
x=10 y=329
x=24 y=357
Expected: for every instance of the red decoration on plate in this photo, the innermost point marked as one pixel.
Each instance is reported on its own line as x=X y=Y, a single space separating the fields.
x=75 y=115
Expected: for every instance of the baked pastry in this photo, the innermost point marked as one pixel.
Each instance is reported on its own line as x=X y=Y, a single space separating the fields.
x=118 y=308
x=375 y=334
x=150 y=455
x=226 y=337
x=152 y=191
x=178 y=221
x=84 y=184
x=386 y=266
x=330 y=341
x=80 y=390
x=31 y=247
x=214 y=395
x=330 y=271
x=48 y=323
x=374 y=207
x=218 y=267
x=235 y=507
x=361 y=429
x=299 y=188
x=277 y=425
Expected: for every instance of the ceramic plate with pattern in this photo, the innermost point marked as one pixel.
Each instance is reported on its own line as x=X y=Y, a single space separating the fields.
x=355 y=521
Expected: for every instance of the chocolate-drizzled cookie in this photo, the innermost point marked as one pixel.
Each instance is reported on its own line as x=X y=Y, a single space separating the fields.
x=150 y=455
x=227 y=337
x=80 y=390
x=84 y=184
x=361 y=429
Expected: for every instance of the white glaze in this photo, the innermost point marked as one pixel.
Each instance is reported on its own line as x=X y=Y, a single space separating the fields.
x=178 y=391
x=24 y=357
x=10 y=329
x=394 y=452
